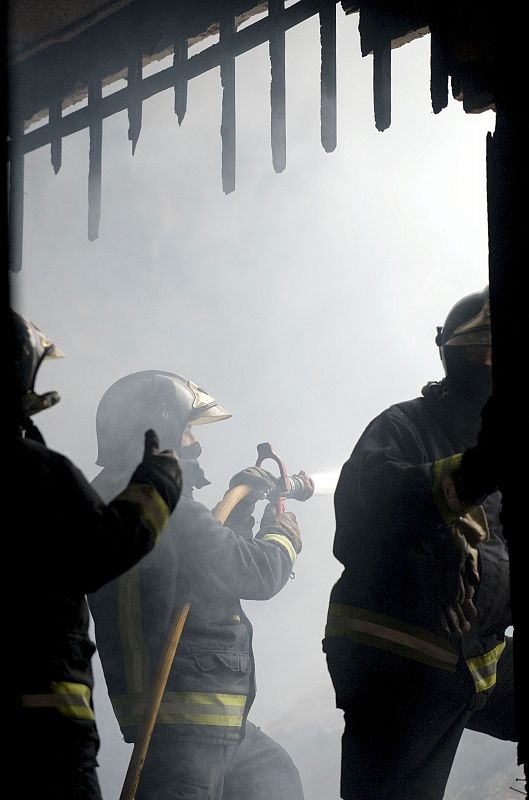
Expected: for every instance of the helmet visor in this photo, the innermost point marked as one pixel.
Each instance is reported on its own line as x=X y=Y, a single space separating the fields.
x=205 y=408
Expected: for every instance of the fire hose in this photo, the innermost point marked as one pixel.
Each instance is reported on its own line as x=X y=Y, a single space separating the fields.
x=296 y=487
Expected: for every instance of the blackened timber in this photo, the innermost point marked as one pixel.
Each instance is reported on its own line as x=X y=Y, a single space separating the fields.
x=382 y=84
x=180 y=83
x=328 y=76
x=244 y=40
x=107 y=47
x=278 y=127
x=56 y=144
x=16 y=207
x=134 y=76
x=507 y=170
x=94 y=160
x=227 y=128
x=439 y=70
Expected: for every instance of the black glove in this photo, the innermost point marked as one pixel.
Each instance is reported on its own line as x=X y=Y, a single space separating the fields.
x=460 y=579
x=159 y=468
x=255 y=477
x=261 y=483
x=480 y=464
x=284 y=523
x=447 y=568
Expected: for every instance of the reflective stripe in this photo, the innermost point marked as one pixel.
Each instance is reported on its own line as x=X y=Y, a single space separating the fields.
x=148 y=504
x=379 y=630
x=184 y=708
x=71 y=699
x=443 y=489
x=136 y=659
x=483 y=668
x=283 y=540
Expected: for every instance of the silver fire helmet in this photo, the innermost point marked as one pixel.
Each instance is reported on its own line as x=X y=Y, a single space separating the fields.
x=31 y=348
x=154 y=399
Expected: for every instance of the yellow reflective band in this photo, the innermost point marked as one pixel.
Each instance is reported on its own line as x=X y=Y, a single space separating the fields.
x=379 y=630
x=135 y=653
x=483 y=668
x=282 y=540
x=443 y=489
x=184 y=708
x=218 y=720
x=71 y=699
x=148 y=503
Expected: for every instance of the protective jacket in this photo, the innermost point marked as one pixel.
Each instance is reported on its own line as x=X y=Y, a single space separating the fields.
x=395 y=498
x=69 y=543
x=211 y=685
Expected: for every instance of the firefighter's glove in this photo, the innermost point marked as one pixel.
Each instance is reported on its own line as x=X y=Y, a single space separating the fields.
x=261 y=483
x=480 y=464
x=283 y=523
x=256 y=477
x=461 y=578
x=448 y=571
x=159 y=468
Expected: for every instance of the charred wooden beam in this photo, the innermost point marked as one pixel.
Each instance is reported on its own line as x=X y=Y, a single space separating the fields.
x=180 y=81
x=382 y=84
x=134 y=76
x=439 y=70
x=278 y=128
x=328 y=76
x=507 y=171
x=242 y=41
x=227 y=79
x=16 y=204
x=94 y=159
x=56 y=144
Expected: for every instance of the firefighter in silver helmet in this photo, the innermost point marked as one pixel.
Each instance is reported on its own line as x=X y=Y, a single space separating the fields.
x=203 y=744
x=69 y=542
x=415 y=639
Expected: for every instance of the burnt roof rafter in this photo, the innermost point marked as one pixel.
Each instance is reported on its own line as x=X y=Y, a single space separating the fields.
x=468 y=48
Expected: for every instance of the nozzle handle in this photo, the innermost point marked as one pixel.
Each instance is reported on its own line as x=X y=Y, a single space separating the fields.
x=264 y=451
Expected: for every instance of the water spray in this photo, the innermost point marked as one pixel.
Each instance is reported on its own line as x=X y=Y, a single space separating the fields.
x=325 y=482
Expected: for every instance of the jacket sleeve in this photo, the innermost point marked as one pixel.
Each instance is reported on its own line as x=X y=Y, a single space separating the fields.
x=109 y=538
x=229 y=563
x=390 y=486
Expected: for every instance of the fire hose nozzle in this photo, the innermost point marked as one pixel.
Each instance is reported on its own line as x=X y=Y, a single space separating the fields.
x=292 y=487
x=300 y=487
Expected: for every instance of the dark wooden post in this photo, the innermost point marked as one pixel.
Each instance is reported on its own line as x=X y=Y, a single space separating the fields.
x=507 y=173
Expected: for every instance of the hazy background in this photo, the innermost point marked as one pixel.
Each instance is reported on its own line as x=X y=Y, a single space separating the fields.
x=305 y=302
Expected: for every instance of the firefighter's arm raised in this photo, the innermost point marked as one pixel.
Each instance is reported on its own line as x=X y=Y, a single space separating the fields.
x=115 y=536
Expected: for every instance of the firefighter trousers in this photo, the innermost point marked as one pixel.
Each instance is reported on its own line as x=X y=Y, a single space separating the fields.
x=404 y=719
x=257 y=768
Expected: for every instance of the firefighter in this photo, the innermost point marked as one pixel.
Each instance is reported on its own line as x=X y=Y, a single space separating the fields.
x=203 y=746
x=415 y=636
x=68 y=542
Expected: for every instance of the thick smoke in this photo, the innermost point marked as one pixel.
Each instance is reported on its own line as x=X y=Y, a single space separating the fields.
x=305 y=302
